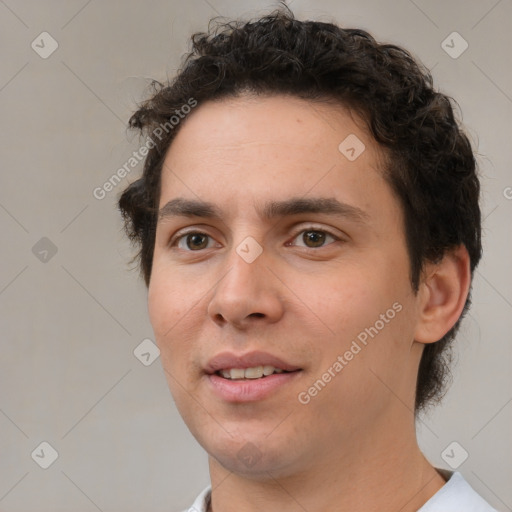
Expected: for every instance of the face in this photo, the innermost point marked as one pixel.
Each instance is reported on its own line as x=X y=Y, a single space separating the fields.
x=276 y=248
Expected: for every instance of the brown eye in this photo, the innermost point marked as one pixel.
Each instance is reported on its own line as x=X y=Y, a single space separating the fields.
x=197 y=241
x=194 y=241
x=313 y=238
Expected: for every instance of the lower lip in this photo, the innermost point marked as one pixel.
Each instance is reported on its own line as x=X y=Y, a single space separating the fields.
x=248 y=390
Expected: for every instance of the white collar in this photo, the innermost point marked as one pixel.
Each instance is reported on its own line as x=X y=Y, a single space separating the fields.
x=455 y=495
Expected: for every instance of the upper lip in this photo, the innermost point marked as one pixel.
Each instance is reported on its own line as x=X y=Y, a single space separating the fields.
x=227 y=360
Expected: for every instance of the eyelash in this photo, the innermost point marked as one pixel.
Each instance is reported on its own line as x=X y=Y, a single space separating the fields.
x=175 y=241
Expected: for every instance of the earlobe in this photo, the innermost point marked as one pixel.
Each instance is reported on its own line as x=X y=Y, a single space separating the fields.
x=442 y=295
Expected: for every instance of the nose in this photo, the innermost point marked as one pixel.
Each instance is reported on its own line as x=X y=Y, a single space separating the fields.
x=248 y=293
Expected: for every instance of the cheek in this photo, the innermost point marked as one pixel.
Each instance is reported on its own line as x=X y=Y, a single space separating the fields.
x=177 y=312
x=169 y=311
x=169 y=308
x=172 y=298
x=164 y=305
x=343 y=300
x=358 y=303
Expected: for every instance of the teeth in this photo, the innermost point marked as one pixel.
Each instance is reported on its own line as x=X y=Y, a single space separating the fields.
x=253 y=373
x=268 y=370
x=250 y=373
x=237 y=373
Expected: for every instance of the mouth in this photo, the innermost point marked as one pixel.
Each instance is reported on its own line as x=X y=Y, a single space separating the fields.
x=255 y=372
x=249 y=377
x=251 y=365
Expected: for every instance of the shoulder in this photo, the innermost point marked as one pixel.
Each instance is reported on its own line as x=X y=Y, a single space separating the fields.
x=201 y=502
x=456 y=495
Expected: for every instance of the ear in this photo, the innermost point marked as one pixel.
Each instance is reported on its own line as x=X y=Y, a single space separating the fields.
x=443 y=291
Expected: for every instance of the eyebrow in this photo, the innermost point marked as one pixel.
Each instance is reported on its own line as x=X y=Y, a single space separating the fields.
x=181 y=207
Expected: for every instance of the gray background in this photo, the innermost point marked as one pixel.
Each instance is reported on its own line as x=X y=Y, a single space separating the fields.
x=70 y=321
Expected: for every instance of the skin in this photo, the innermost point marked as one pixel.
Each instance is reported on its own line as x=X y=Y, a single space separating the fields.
x=353 y=446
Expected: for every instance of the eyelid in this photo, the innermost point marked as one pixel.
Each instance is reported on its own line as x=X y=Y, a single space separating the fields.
x=316 y=227
x=297 y=231
x=187 y=231
x=321 y=229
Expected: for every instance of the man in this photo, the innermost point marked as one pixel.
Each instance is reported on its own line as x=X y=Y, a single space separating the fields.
x=309 y=225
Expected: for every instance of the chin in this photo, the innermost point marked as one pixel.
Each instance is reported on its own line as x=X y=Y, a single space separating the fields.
x=257 y=459
x=260 y=467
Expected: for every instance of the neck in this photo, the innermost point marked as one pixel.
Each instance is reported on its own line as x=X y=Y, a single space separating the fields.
x=383 y=470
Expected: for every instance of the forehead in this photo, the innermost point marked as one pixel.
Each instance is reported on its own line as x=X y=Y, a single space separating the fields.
x=250 y=149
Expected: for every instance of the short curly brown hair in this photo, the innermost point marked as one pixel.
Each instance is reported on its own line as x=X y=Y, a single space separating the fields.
x=430 y=166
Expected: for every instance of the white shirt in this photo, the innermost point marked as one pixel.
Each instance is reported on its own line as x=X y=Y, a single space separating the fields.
x=456 y=495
